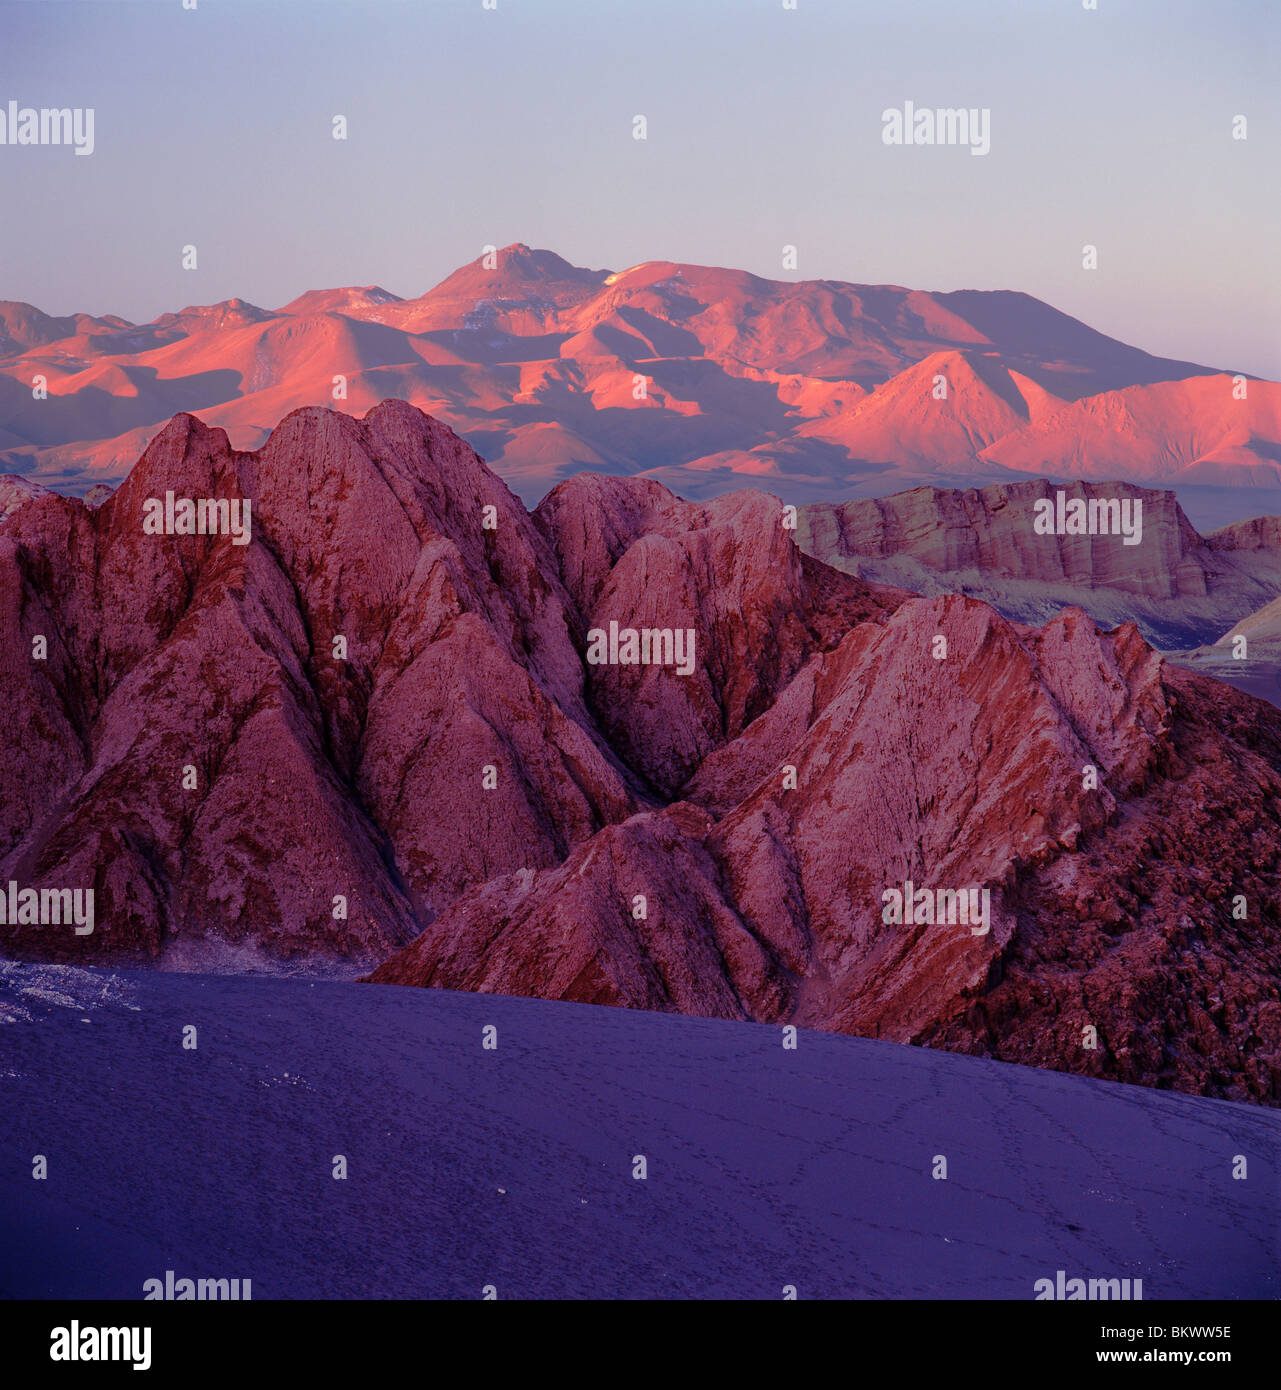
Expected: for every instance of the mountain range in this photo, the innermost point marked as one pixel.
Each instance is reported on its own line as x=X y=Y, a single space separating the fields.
x=373 y=736
x=704 y=379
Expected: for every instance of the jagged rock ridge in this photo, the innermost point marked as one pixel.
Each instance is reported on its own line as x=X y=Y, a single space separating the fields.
x=372 y=732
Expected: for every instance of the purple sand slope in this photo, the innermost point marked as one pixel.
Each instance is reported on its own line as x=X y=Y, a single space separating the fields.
x=513 y=1167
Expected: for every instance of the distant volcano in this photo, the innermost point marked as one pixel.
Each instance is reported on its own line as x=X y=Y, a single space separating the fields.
x=703 y=378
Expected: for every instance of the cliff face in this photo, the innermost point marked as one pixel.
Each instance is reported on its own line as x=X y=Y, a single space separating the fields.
x=1180 y=587
x=992 y=529
x=1259 y=533
x=377 y=731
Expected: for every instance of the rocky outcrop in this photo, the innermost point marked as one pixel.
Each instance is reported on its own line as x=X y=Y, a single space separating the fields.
x=729 y=574
x=14 y=491
x=1043 y=767
x=1159 y=940
x=314 y=740
x=378 y=724
x=1181 y=588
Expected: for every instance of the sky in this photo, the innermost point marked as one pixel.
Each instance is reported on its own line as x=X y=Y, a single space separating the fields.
x=469 y=127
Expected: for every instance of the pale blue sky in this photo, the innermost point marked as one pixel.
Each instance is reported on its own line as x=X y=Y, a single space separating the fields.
x=470 y=127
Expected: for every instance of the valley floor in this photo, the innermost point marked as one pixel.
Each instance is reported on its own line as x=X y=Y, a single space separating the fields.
x=513 y=1167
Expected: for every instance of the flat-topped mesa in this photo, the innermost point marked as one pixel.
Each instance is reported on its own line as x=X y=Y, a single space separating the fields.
x=1120 y=552
x=1110 y=534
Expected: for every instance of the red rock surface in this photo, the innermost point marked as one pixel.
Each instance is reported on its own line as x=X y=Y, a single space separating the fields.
x=631 y=553
x=1182 y=588
x=765 y=903
x=991 y=530
x=717 y=843
x=316 y=777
